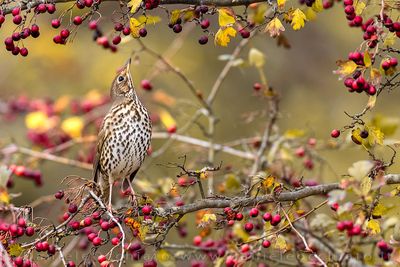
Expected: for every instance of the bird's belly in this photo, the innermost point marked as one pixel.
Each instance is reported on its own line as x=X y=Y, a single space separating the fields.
x=127 y=153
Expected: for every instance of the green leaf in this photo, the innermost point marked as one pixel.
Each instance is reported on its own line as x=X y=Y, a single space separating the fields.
x=366 y=185
x=367 y=59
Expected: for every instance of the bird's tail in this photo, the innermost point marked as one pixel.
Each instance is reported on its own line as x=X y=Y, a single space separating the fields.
x=104 y=188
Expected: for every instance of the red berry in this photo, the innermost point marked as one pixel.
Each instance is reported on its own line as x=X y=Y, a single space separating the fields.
x=101 y=258
x=18 y=261
x=205 y=23
x=55 y=23
x=358 y=21
x=51 y=8
x=126 y=31
x=177 y=28
x=91 y=236
x=239 y=216
x=382 y=245
x=393 y=62
x=17 y=19
x=300 y=152
x=64 y=33
x=45 y=246
x=253 y=212
x=87 y=221
x=203 y=40
x=34 y=28
x=30 y=231
x=97 y=241
x=257 y=86
x=171 y=129
x=266 y=243
x=276 y=219
x=23 y=51
x=105 y=226
x=245 y=34
x=41 y=8
x=230 y=261
x=348 y=2
x=267 y=217
x=335 y=133
x=147 y=209
x=21 y=222
x=93 y=25
x=75 y=225
x=58 y=40
x=15 y=11
x=88 y=3
x=60 y=193
x=116 y=40
x=146 y=84
x=118 y=27
x=77 y=20
x=348 y=225
x=143 y=32
x=115 y=241
x=349 y=10
x=371 y=90
x=72 y=208
x=248 y=227
x=197 y=240
x=65 y=216
x=51 y=250
x=71 y=264
x=150 y=263
x=245 y=248
x=2 y=19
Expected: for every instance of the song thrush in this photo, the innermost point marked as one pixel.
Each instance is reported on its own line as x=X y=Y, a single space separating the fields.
x=124 y=137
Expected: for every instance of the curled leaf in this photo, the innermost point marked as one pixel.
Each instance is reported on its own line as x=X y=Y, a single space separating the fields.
x=274 y=27
x=298 y=19
x=223 y=36
x=345 y=67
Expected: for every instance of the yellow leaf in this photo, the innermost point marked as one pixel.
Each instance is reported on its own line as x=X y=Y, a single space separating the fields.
x=379 y=210
x=226 y=17
x=356 y=136
x=39 y=121
x=281 y=3
x=375 y=76
x=239 y=232
x=317 y=6
x=167 y=119
x=15 y=250
x=73 y=126
x=208 y=218
x=135 y=26
x=280 y=243
x=298 y=19
x=165 y=258
x=367 y=59
x=222 y=37
x=294 y=133
x=175 y=14
x=259 y=14
x=373 y=226
x=134 y=5
x=310 y=14
x=390 y=39
x=388 y=125
x=148 y=19
x=4 y=196
x=189 y=15
x=274 y=27
x=256 y=58
x=143 y=229
x=359 y=8
x=366 y=185
x=345 y=67
x=371 y=101
x=268 y=182
x=375 y=136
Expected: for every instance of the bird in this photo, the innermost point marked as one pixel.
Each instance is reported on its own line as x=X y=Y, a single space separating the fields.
x=124 y=137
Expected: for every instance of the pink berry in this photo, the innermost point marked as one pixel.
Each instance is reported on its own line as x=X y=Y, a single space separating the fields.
x=245 y=248
x=41 y=8
x=21 y=222
x=147 y=209
x=91 y=236
x=51 y=8
x=87 y=221
x=88 y=3
x=253 y=212
x=15 y=11
x=115 y=241
x=64 y=33
x=150 y=263
x=197 y=240
x=239 y=216
x=93 y=25
x=276 y=219
x=105 y=226
x=118 y=27
x=71 y=264
x=23 y=51
x=205 y=23
x=393 y=62
x=60 y=193
x=126 y=31
x=267 y=216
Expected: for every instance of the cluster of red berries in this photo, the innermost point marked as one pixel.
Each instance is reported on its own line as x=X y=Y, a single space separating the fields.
x=27 y=173
x=389 y=63
x=384 y=250
x=352 y=229
x=300 y=152
x=220 y=246
x=354 y=20
x=358 y=83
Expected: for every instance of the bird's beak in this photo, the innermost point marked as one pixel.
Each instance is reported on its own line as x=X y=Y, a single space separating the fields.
x=128 y=64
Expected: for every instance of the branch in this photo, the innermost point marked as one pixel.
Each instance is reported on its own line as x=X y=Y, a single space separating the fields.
x=209 y=203
x=34 y=3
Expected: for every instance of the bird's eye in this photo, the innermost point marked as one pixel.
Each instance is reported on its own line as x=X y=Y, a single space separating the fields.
x=120 y=78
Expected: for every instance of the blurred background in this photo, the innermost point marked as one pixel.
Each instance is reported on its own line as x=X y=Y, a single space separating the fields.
x=312 y=98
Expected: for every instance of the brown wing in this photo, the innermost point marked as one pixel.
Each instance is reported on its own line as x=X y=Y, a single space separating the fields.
x=103 y=134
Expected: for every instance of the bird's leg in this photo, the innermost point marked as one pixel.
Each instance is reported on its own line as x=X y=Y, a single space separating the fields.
x=109 y=207
x=133 y=193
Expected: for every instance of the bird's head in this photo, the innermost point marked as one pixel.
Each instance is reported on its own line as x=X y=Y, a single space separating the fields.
x=122 y=86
